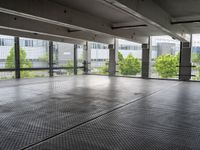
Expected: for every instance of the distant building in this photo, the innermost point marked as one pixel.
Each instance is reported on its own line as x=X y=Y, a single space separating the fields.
x=37 y=50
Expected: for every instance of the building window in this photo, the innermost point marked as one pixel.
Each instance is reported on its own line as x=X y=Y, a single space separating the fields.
x=2 y=42
x=99 y=46
x=28 y=43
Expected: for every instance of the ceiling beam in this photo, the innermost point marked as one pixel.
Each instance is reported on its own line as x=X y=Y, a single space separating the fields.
x=186 y=20
x=150 y=13
x=33 y=27
x=4 y=31
x=53 y=13
x=129 y=27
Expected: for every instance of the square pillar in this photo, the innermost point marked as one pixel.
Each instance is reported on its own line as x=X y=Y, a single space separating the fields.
x=145 y=60
x=75 y=59
x=112 y=60
x=185 y=61
x=17 y=58
x=87 y=57
x=50 y=58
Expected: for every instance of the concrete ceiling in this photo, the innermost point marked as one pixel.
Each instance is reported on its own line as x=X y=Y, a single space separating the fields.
x=183 y=12
x=102 y=20
x=113 y=15
x=180 y=8
x=100 y=10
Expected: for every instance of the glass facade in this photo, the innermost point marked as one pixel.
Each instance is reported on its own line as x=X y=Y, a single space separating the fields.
x=34 y=74
x=80 y=59
x=34 y=54
x=99 y=58
x=165 y=57
x=5 y=75
x=63 y=56
x=129 y=58
x=195 y=56
x=34 y=58
x=7 y=56
x=7 y=53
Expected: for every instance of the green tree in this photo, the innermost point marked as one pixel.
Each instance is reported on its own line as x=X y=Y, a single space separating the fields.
x=69 y=63
x=198 y=75
x=196 y=57
x=24 y=63
x=104 y=69
x=129 y=65
x=166 y=65
x=120 y=57
x=10 y=61
x=196 y=61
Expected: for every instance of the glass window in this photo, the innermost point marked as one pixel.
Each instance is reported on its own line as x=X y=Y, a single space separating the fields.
x=7 y=56
x=7 y=75
x=129 y=58
x=80 y=59
x=34 y=74
x=195 y=56
x=165 y=56
x=63 y=56
x=99 y=58
x=33 y=56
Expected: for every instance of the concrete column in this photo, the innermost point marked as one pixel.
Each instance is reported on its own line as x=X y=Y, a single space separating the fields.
x=145 y=60
x=185 y=62
x=87 y=57
x=75 y=59
x=112 y=60
x=50 y=58
x=17 y=58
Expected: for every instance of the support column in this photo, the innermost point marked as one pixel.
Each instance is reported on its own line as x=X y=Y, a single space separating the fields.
x=17 y=58
x=75 y=59
x=145 y=60
x=50 y=58
x=87 y=56
x=112 y=60
x=185 y=62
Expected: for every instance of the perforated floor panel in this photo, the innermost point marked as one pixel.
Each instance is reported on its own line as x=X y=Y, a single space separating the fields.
x=97 y=112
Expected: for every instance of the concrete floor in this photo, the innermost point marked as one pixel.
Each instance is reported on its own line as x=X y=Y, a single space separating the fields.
x=99 y=113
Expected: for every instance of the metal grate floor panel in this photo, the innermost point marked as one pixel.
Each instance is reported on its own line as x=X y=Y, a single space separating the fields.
x=97 y=112
x=146 y=124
